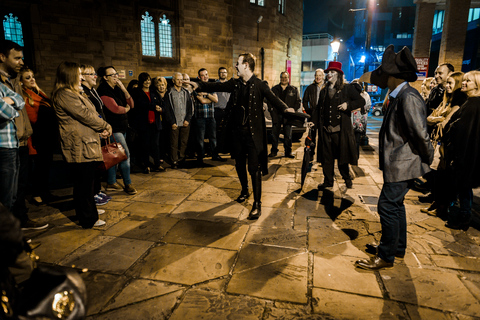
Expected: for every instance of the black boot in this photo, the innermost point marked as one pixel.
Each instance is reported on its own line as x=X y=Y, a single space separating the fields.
x=257 y=196
x=242 y=176
x=459 y=221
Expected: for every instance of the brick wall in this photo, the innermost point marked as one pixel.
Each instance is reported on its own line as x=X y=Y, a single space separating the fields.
x=211 y=33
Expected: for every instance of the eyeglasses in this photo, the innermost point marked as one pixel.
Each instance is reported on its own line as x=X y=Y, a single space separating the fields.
x=112 y=75
x=89 y=74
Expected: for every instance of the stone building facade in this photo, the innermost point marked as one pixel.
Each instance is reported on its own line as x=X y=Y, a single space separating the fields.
x=206 y=33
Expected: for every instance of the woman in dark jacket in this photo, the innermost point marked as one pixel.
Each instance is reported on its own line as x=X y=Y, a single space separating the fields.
x=117 y=103
x=148 y=122
x=464 y=151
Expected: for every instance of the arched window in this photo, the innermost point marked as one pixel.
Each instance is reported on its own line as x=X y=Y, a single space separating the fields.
x=161 y=44
x=12 y=29
x=148 y=36
x=165 y=37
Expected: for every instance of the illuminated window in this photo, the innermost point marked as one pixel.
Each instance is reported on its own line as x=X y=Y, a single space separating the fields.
x=157 y=35
x=148 y=36
x=12 y=29
x=258 y=2
x=165 y=37
x=281 y=6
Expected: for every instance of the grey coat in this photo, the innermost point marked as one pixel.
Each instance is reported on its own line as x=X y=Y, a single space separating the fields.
x=404 y=145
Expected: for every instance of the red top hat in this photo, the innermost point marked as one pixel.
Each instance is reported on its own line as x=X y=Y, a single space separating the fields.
x=334 y=65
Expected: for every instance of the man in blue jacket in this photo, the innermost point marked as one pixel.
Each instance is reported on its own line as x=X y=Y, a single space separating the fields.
x=405 y=152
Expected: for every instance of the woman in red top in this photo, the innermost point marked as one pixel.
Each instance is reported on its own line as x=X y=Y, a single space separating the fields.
x=45 y=134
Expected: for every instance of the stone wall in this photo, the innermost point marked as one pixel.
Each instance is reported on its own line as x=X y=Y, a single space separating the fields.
x=211 y=33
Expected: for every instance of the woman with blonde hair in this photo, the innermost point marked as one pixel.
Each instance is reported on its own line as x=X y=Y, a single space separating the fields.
x=80 y=127
x=45 y=134
x=464 y=152
x=439 y=119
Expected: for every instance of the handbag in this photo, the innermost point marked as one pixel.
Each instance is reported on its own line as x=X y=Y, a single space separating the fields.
x=113 y=153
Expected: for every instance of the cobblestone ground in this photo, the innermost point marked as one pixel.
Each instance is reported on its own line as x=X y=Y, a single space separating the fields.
x=182 y=249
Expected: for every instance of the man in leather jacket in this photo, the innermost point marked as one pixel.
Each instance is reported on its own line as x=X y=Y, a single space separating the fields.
x=288 y=94
x=405 y=152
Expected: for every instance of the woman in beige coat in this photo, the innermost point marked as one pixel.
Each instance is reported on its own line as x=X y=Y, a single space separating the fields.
x=80 y=132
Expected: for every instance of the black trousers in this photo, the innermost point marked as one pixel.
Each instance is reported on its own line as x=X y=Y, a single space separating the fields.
x=331 y=151
x=20 y=209
x=83 y=192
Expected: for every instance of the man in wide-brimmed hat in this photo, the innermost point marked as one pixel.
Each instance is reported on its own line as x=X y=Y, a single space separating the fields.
x=332 y=119
x=405 y=152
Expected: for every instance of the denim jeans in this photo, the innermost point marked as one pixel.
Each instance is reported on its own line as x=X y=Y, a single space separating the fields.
x=205 y=127
x=393 y=220
x=278 y=127
x=124 y=165
x=9 y=167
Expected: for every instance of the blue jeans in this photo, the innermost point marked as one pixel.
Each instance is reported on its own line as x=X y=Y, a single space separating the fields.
x=205 y=127
x=124 y=165
x=393 y=220
x=9 y=168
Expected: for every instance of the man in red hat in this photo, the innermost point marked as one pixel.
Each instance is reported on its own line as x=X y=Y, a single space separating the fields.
x=405 y=152
x=335 y=132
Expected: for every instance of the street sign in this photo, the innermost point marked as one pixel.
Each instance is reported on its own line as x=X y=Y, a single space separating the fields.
x=288 y=68
x=422 y=66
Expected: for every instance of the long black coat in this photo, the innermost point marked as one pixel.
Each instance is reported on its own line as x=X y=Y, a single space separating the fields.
x=464 y=144
x=405 y=150
x=348 y=146
x=258 y=90
x=142 y=107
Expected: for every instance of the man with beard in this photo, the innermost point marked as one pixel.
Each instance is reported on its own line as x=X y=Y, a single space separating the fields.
x=335 y=132
x=246 y=127
x=14 y=154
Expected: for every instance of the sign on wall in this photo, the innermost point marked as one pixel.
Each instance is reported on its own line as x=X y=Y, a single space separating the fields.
x=422 y=65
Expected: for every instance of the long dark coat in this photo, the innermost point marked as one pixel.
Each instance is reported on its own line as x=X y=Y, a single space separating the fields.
x=464 y=144
x=348 y=146
x=258 y=90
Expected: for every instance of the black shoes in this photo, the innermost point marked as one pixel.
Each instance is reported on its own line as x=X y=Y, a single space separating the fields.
x=243 y=196
x=325 y=186
x=272 y=154
x=374 y=263
x=289 y=155
x=349 y=184
x=32 y=225
x=459 y=222
x=256 y=211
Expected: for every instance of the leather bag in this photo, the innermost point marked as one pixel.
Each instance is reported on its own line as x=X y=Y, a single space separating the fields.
x=113 y=153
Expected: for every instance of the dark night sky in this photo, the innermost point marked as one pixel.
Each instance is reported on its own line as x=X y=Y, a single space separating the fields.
x=330 y=16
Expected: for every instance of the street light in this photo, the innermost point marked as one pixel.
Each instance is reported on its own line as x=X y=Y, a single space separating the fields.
x=335 y=47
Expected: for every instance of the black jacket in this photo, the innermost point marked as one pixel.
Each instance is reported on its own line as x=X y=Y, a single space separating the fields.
x=348 y=146
x=257 y=91
x=170 y=114
x=405 y=150
x=292 y=100
x=143 y=105
x=310 y=98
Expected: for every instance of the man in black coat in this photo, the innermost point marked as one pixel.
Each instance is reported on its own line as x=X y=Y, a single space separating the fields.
x=405 y=152
x=288 y=94
x=335 y=132
x=246 y=131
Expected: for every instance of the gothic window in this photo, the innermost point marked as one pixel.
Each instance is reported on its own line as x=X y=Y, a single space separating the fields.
x=281 y=6
x=258 y=2
x=157 y=35
x=165 y=37
x=12 y=29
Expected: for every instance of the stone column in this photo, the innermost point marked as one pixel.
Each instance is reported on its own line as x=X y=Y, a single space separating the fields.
x=454 y=32
x=422 y=36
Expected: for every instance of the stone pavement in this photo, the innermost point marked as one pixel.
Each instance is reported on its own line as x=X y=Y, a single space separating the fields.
x=182 y=249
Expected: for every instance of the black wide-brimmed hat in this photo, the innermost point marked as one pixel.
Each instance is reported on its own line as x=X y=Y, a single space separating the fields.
x=401 y=65
x=296 y=119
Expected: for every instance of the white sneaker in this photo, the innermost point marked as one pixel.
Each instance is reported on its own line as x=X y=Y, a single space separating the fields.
x=100 y=211
x=99 y=223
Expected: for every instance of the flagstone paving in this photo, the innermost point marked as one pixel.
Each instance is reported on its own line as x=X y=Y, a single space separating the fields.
x=182 y=248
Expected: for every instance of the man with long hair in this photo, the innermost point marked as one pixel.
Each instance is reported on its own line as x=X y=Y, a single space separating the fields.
x=335 y=132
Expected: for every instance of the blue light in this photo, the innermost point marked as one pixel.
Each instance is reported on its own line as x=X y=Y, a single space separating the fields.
x=362 y=59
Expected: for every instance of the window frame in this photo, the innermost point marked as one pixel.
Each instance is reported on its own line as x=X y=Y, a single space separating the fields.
x=282 y=6
x=256 y=3
x=156 y=14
